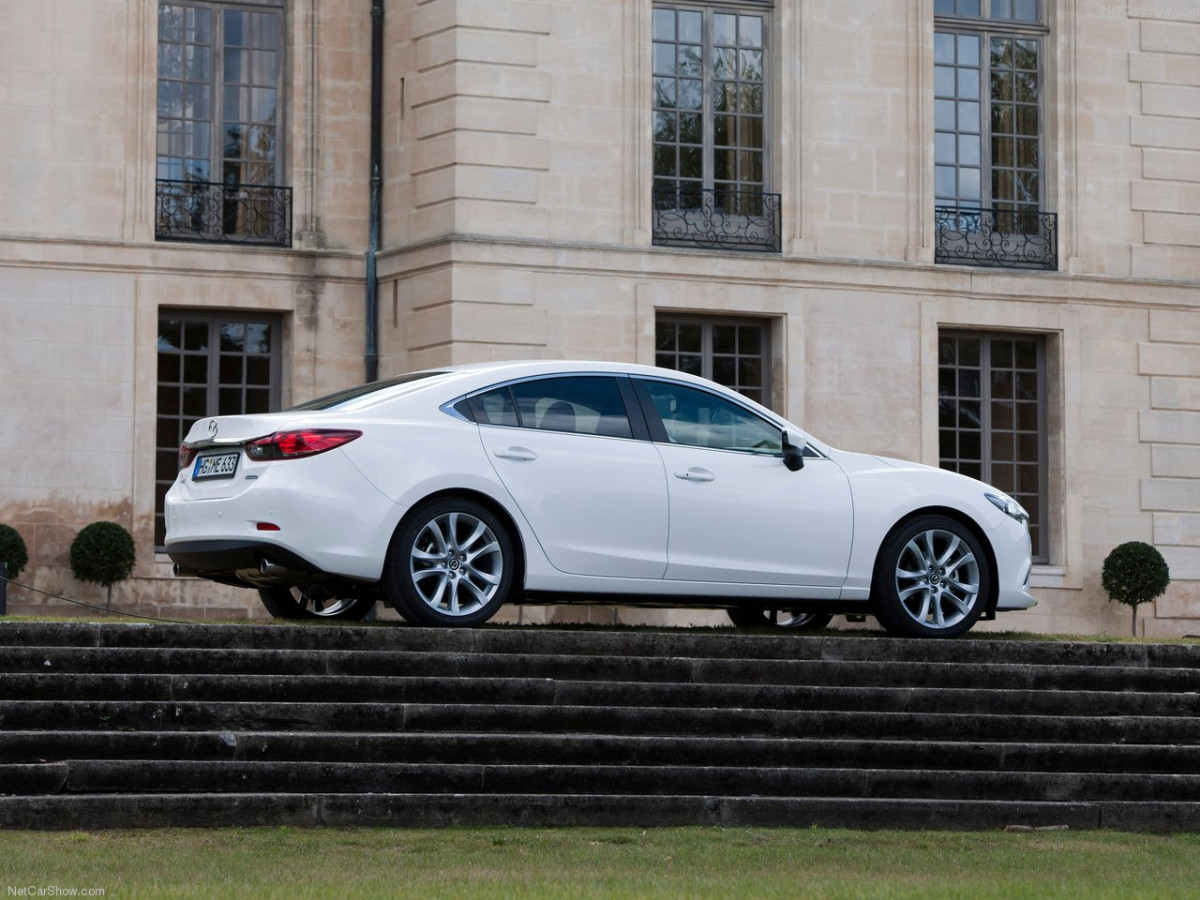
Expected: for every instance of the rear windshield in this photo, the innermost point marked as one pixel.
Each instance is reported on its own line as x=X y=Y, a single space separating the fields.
x=350 y=395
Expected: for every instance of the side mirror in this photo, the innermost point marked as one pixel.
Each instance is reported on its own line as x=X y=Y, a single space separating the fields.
x=793 y=456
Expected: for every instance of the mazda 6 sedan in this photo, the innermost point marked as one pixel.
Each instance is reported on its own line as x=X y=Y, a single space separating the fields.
x=447 y=493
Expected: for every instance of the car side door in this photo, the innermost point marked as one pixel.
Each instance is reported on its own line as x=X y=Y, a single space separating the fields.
x=581 y=470
x=738 y=514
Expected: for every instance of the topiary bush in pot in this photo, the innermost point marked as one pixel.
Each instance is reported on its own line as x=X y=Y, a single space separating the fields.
x=12 y=550
x=1134 y=573
x=103 y=553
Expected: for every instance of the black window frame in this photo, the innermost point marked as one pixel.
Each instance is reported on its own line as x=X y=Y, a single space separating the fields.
x=471 y=406
x=222 y=123
x=1000 y=148
x=959 y=390
x=712 y=133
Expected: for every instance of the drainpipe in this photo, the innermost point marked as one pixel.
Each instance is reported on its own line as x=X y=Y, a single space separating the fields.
x=373 y=227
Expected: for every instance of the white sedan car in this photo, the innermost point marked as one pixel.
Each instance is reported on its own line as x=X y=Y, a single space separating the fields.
x=450 y=492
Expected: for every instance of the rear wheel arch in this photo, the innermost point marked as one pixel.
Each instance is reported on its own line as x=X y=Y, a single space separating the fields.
x=494 y=507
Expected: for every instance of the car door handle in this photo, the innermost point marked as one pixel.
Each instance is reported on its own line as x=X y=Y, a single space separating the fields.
x=520 y=454
x=696 y=474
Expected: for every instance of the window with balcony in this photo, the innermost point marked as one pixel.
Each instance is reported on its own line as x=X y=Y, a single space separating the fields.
x=220 y=80
x=992 y=417
x=711 y=128
x=989 y=143
x=209 y=364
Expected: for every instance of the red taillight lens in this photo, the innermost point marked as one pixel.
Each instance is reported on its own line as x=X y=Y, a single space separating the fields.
x=186 y=455
x=297 y=444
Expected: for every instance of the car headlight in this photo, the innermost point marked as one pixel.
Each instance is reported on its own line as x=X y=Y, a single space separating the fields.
x=1009 y=507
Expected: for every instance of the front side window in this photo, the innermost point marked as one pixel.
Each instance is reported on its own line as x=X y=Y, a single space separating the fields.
x=731 y=352
x=989 y=153
x=710 y=128
x=209 y=364
x=992 y=417
x=220 y=129
x=697 y=418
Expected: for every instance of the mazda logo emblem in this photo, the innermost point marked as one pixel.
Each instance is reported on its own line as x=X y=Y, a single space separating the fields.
x=212 y=428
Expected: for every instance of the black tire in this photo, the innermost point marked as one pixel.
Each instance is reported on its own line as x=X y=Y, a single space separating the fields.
x=451 y=564
x=777 y=617
x=311 y=601
x=932 y=579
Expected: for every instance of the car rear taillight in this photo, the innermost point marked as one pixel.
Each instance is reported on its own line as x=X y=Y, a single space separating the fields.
x=186 y=455
x=300 y=443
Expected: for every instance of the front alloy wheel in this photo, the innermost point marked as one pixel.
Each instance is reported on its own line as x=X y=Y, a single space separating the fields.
x=932 y=579
x=452 y=564
x=311 y=601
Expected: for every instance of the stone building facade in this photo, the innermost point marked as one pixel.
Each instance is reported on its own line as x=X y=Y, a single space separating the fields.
x=961 y=231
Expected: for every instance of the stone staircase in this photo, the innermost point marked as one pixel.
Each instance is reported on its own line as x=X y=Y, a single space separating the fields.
x=114 y=725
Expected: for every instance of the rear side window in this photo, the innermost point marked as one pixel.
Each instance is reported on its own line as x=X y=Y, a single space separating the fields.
x=577 y=404
x=495 y=408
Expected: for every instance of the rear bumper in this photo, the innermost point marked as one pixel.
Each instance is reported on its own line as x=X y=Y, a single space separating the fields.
x=226 y=559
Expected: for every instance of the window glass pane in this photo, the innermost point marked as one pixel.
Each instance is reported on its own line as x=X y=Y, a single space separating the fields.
x=943 y=81
x=690 y=25
x=968 y=117
x=700 y=419
x=664 y=24
x=495 y=408
x=724 y=30
x=968 y=50
x=943 y=49
x=968 y=149
x=664 y=59
x=968 y=83
x=581 y=405
x=750 y=31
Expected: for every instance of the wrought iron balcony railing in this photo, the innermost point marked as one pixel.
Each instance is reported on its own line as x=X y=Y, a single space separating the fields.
x=223 y=214
x=1006 y=238
x=717 y=219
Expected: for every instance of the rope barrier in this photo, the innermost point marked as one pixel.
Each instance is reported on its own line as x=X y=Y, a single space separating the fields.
x=5 y=581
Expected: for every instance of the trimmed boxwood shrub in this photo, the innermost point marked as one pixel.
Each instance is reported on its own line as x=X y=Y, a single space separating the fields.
x=1134 y=573
x=12 y=550
x=103 y=553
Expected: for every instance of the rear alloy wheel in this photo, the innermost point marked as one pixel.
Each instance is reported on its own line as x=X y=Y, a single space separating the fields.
x=453 y=564
x=773 y=617
x=932 y=579
x=311 y=601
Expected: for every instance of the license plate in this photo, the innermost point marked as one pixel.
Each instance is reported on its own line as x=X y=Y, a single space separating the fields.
x=221 y=465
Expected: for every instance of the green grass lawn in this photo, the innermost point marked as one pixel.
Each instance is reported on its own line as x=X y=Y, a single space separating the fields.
x=595 y=862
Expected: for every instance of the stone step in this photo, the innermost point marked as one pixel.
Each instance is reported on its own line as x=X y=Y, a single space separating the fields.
x=107 y=725
x=175 y=776
x=543 y=691
x=126 y=810
x=687 y=643
x=594 y=749
x=532 y=718
x=684 y=670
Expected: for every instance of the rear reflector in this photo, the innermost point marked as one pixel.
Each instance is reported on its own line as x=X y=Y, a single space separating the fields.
x=267 y=526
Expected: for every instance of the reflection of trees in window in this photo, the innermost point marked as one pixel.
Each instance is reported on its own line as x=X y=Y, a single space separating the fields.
x=709 y=105
x=991 y=416
x=988 y=154
x=732 y=352
x=219 y=81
